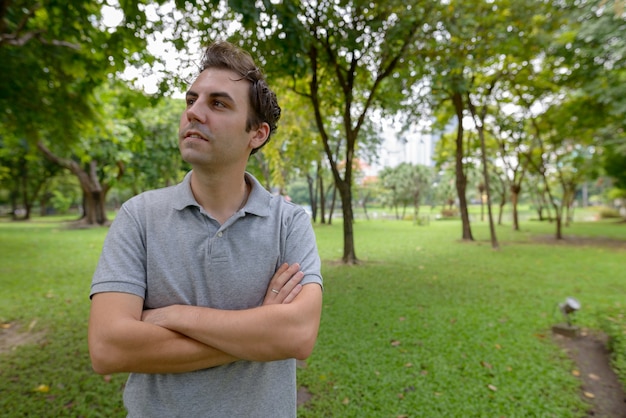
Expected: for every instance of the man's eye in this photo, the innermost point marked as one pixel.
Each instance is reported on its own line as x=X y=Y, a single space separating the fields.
x=217 y=103
x=190 y=102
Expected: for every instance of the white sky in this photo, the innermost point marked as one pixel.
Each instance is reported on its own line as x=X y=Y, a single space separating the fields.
x=148 y=77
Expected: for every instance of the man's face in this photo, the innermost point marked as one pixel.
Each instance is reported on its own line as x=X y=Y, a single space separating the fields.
x=212 y=129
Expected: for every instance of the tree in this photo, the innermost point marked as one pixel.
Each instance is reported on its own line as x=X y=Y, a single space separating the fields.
x=406 y=185
x=345 y=52
x=512 y=139
x=599 y=66
x=482 y=45
x=50 y=66
x=391 y=183
x=563 y=156
x=155 y=160
x=25 y=174
x=479 y=122
x=51 y=71
x=101 y=157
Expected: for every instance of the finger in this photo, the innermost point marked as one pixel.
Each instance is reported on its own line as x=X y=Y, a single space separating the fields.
x=275 y=282
x=284 y=273
x=292 y=295
x=291 y=284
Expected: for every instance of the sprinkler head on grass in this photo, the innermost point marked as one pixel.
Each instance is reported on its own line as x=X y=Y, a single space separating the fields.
x=567 y=308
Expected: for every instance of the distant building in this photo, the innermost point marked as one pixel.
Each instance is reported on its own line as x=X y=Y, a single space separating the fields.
x=415 y=146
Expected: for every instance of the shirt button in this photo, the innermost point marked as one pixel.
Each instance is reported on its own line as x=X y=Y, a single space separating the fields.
x=219 y=234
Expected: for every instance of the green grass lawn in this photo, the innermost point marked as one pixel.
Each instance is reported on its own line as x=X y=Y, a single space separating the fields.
x=426 y=326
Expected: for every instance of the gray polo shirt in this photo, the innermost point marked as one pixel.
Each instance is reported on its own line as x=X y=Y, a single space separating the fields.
x=163 y=247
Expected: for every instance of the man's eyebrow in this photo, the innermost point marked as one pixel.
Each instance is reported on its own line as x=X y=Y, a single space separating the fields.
x=221 y=95
x=216 y=94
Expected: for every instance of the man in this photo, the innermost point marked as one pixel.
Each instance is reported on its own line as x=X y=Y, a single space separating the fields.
x=208 y=291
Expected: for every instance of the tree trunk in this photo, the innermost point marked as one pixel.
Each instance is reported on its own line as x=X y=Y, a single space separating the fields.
x=515 y=191
x=13 y=197
x=501 y=210
x=94 y=193
x=349 y=254
x=461 y=178
x=94 y=208
x=416 y=208
x=333 y=200
x=25 y=198
x=312 y=196
x=322 y=200
x=364 y=205
x=559 y=224
x=487 y=189
x=481 y=191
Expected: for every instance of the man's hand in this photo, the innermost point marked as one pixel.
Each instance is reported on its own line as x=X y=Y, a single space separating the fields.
x=283 y=288
x=285 y=285
x=285 y=326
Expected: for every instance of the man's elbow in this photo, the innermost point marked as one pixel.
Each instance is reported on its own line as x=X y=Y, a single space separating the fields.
x=100 y=365
x=303 y=349
x=103 y=360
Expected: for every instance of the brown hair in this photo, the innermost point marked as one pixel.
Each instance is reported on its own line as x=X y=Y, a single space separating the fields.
x=263 y=103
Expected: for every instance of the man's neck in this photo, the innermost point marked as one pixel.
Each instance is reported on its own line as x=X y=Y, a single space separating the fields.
x=221 y=195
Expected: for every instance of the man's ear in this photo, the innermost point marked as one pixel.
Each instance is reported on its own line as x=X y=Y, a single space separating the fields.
x=259 y=135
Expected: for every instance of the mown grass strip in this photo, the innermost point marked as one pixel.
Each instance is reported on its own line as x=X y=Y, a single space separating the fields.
x=425 y=326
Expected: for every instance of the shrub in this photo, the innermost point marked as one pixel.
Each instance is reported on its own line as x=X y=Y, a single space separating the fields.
x=449 y=213
x=607 y=213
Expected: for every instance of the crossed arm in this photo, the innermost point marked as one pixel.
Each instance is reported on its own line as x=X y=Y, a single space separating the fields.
x=180 y=338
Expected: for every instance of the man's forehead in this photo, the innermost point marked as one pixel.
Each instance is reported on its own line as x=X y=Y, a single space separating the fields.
x=221 y=79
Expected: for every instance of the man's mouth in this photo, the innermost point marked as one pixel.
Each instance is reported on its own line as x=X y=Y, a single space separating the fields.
x=194 y=134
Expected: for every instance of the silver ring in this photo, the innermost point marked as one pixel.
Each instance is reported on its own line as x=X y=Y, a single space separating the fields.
x=275 y=291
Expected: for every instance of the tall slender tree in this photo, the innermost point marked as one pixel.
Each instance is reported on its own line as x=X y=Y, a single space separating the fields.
x=348 y=54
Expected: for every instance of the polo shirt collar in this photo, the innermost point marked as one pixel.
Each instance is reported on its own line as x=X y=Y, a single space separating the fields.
x=258 y=201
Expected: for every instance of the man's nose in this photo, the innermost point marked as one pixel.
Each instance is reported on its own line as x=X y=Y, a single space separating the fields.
x=195 y=113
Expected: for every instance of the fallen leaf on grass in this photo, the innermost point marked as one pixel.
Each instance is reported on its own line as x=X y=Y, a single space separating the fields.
x=576 y=373
x=42 y=389
x=407 y=365
x=492 y=387
x=345 y=401
x=486 y=365
x=589 y=395
x=594 y=376
x=395 y=343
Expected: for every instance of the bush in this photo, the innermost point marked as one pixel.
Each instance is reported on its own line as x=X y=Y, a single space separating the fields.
x=449 y=213
x=60 y=202
x=608 y=213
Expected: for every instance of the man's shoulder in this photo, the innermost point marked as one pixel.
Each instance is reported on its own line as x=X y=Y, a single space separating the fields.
x=165 y=196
